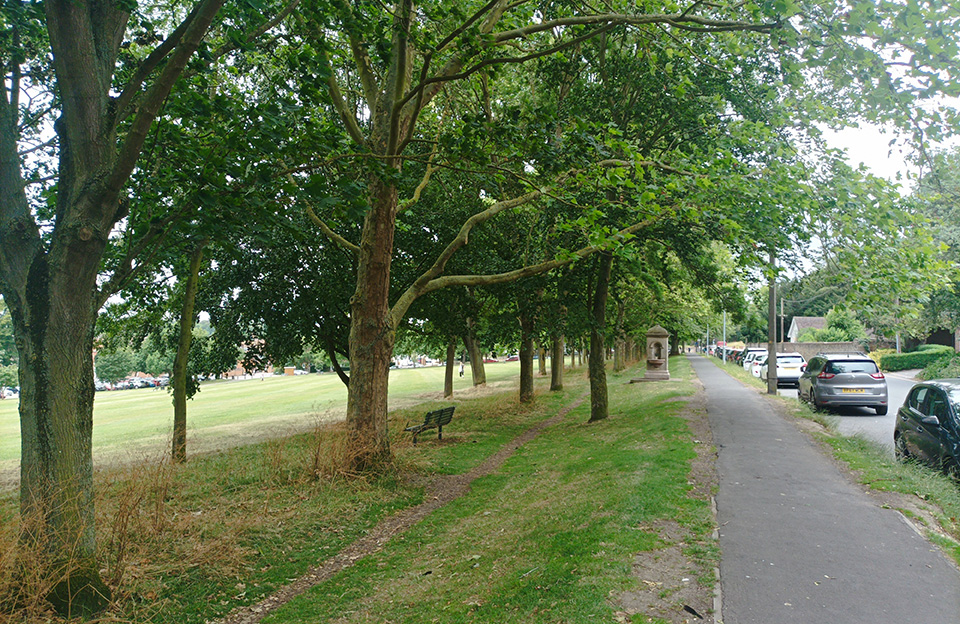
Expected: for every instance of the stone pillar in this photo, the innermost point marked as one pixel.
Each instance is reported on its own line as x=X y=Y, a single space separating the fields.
x=658 y=349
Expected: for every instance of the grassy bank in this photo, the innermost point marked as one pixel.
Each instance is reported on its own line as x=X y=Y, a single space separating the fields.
x=546 y=538
x=553 y=536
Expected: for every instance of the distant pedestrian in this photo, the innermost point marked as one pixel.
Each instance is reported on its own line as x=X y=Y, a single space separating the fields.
x=461 y=369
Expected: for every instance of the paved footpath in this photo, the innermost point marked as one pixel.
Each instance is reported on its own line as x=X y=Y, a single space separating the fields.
x=799 y=542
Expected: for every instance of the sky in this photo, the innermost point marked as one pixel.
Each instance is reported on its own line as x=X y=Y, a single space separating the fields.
x=869 y=145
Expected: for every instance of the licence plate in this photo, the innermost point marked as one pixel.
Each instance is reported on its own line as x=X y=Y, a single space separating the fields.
x=852 y=390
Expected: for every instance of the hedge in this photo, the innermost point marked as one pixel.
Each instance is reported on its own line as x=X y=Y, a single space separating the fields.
x=915 y=359
x=936 y=348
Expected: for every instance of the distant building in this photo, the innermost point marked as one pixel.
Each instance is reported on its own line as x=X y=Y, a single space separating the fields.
x=800 y=323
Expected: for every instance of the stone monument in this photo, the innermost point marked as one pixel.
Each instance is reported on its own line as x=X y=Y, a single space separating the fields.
x=658 y=349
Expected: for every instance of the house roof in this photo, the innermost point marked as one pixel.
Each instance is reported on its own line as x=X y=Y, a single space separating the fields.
x=807 y=322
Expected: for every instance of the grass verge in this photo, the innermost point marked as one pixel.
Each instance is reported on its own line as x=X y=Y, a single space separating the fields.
x=556 y=535
x=549 y=536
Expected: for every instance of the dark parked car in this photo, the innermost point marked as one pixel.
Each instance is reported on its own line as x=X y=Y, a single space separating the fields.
x=928 y=427
x=843 y=379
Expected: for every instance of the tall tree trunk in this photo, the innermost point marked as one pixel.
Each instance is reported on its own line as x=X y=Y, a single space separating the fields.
x=51 y=286
x=451 y=362
x=526 y=357
x=619 y=345
x=372 y=335
x=476 y=358
x=542 y=364
x=598 y=372
x=556 y=363
x=183 y=356
x=54 y=326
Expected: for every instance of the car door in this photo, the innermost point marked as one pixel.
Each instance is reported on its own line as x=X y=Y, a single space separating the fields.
x=910 y=416
x=806 y=378
x=929 y=443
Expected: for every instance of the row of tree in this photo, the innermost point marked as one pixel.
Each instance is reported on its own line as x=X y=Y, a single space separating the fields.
x=318 y=173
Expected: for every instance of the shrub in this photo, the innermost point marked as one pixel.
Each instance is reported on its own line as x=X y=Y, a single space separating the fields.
x=936 y=348
x=879 y=353
x=942 y=368
x=914 y=359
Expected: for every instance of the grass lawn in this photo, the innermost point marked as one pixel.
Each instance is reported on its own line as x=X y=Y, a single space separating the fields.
x=556 y=534
x=133 y=425
x=551 y=537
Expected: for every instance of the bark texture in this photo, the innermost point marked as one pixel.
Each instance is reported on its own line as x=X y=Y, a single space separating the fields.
x=179 y=450
x=476 y=357
x=556 y=364
x=448 y=373
x=526 y=357
x=598 y=372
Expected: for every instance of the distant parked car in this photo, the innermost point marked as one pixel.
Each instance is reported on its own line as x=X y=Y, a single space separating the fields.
x=490 y=360
x=843 y=379
x=513 y=358
x=758 y=361
x=928 y=425
x=750 y=355
x=788 y=369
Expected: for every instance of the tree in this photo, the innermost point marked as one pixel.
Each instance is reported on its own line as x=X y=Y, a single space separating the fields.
x=397 y=87
x=56 y=218
x=112 y=366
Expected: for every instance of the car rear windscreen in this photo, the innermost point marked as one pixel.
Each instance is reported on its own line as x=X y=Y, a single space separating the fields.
x=860 y=366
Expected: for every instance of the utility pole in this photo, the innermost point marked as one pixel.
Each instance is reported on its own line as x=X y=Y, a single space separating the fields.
x=783 y=337
x=772 y=327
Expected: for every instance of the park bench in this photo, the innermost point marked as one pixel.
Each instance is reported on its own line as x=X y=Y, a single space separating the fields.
x=437 y=418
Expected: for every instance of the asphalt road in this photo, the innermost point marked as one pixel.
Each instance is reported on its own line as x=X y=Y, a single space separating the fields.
x=799 y=542
x=864 y=421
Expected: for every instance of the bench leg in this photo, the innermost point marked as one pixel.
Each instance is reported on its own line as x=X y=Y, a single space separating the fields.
x=439 y=433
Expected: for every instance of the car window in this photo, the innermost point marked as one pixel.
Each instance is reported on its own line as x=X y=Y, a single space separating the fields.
x=915 y=400
x=859 y=366
x=954 y=397
x=938 y=406
x=789 y=359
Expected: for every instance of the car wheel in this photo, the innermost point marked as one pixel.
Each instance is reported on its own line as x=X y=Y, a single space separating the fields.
x=881 y=410
x=817 y=406
x=900 y=448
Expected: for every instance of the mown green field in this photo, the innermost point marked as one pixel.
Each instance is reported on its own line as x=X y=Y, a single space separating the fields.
x=136 y=424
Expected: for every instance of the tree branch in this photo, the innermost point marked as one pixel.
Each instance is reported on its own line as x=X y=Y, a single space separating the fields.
x=329 y=233
x=418 y=287
x=528 y=271
x=129 y=152
x=336 y=97
x=368 y=77
x=256 y=32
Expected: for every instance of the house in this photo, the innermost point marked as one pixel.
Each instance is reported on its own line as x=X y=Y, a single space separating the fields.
x=801 y=323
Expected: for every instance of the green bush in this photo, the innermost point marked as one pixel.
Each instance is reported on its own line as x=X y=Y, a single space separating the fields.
x=936 y=348
x=942 y=368
x=914 y=359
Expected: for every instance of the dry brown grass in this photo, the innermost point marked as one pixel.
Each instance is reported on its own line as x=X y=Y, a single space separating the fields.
x=157 y=521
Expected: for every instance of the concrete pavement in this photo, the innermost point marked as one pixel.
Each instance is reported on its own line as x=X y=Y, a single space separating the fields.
x=800 y=543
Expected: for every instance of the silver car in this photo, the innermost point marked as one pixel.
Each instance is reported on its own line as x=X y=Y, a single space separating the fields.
x=843 y=379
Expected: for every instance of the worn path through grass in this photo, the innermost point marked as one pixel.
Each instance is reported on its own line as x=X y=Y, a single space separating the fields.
x=581 y=523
